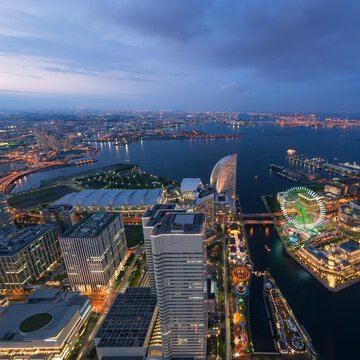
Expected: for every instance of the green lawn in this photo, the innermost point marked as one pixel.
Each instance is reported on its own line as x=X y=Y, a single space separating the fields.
x=35 y=322
x=38 y=197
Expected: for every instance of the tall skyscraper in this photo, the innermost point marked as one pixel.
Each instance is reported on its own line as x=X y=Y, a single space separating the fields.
x=149 y=220
x=179 y=256
x=6 y=220
x=93 y=251
x=223 y=176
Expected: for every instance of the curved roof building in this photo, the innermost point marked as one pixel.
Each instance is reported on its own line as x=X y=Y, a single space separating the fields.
x=112 y=198
x=223 y=175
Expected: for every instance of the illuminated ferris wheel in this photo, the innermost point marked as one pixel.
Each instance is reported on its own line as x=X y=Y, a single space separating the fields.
x=303 y=208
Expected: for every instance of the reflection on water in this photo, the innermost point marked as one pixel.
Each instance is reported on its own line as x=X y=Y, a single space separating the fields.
x=313 y=304
x=267 y=231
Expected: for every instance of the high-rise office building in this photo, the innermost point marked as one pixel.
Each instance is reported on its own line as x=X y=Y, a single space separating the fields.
x=223 y=176
x=27 y=253
x=6 y=220
x=151 y=218
x=179 y=256
x=94 y=250
x=61 y=215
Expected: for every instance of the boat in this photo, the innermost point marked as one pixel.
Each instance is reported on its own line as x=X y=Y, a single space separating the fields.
x=267 y=248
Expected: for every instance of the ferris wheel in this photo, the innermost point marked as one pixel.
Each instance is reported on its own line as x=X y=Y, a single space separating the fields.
x=303 y=208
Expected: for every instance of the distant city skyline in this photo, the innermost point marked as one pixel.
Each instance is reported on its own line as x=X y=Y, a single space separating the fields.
x=258 y=55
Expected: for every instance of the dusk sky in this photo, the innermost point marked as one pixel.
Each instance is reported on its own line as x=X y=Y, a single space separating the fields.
x=240 y=55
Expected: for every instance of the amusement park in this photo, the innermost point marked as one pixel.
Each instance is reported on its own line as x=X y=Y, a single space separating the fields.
x=316 y=240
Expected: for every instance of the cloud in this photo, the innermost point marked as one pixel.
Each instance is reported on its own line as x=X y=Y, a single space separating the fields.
x=178 y=52
x=233 y=88
x=178 y=20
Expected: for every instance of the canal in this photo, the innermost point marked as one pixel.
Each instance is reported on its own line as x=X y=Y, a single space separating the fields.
x=332 y=320
x=328 y=318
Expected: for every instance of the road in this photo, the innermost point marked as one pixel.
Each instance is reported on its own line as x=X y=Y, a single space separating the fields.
x=108 y=303
x=227 y=310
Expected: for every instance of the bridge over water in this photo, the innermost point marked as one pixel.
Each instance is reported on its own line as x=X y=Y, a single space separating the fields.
x=259 y=218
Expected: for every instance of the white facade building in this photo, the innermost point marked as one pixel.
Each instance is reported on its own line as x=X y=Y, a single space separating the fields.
x=94 y=250
x=179 y=257
x=149 y=220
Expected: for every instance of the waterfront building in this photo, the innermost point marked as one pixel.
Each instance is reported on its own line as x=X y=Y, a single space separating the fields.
x=336 y=190
x=190 y=188
x=131 y=203
x=94 y=250
x=223 y=176
x=349 y=215
x=179 y=255
x=205 y=203
x=351 y=250
x=62 y=216
x=223 y=207
x=150 y=219
x=47 y=326
x=6 y=220
x=26 y=254
x=128 y=326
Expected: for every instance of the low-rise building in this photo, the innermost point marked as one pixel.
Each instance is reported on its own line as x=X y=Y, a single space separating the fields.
x=128 y=326
x=46 y=327
x=349 y=215
x=61 y=215
x=131 y=203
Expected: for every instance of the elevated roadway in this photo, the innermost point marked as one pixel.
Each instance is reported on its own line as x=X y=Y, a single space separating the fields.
x=6 y=181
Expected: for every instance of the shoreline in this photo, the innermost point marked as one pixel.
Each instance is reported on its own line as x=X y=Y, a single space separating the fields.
x=312 y=273
x=304 y=266
x=51 y=182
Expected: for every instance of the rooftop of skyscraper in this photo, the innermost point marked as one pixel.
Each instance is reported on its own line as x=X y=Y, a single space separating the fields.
x=155 y=208
x=91 y=225
x=14 y=241
x=187 y=223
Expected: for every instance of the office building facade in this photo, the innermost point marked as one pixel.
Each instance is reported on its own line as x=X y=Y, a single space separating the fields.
x=6 y=220
x=151 y=218
x=26 y=254
x=94 y=250
x=179 y=256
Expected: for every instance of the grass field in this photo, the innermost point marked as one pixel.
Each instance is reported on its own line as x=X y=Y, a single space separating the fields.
x=38 y=197
x=35 y=322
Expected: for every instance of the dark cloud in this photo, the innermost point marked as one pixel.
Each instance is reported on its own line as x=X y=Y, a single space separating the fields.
x=179 y=20
x=198 y=51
